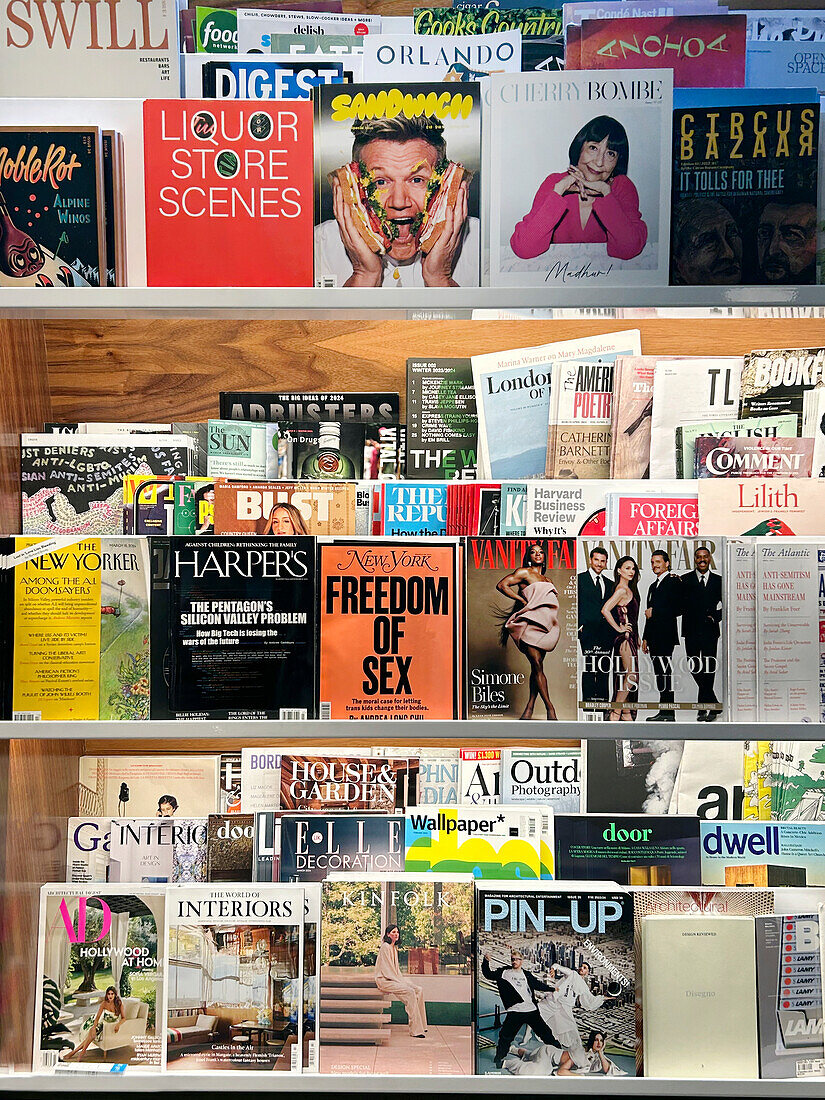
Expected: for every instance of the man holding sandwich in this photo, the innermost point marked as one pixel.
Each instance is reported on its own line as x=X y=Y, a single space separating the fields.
x=400 y=211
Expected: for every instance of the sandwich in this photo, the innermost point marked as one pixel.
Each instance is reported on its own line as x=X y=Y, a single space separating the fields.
x=371 y=219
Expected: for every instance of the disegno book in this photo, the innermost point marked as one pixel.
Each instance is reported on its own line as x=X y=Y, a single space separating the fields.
x=100 y=968
x=314 y=845
x=228 y=192
x=107 y=51
x=79 y=617
x=744 y=189
x=242 y=618
x=391 y=621
x=398 y=185
x=150 y=786
x=789 y=994
x=52 y=207
x=521 y=648
x=235 y=978
x=651 y=629
x=589 y=204
x=396 y=974
x=73 y=484
x=554 y=980
x=485 y=841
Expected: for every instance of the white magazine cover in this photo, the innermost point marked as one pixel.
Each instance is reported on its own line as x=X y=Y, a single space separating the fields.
x=235 y=978
x=112 y=50
x=100 y=979
x=790 y=607
x=689 y=389
x=513 y=387
x=412 y=57
x=616 y=129
x=740 y=566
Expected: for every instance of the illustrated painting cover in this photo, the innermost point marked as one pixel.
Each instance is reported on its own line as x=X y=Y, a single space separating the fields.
x=789 y=995
x=396 y=974
x=744 y=193
x=651 y=642
x=363 y=408
x=159 y=849
x=397 y=185
x=243 y=628
x=521 y=649
x=704 y=51
x=555 y=982
x=230 y=840
x=484 y=841
x=228 y=193
x=150 y=786
x=758 y=853
x=442 y=424
x=52 y=207
x=313 y=846
x=82 y=608
x=644 y=850
x=73 y=484
x=390 y=629
x=590 y=202
x=319 y=783
x=289 y=508
x=234 y=966
x=107 y=51
x=100 y=967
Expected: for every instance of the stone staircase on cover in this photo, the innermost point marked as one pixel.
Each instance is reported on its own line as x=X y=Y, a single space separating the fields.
x=353 y=1011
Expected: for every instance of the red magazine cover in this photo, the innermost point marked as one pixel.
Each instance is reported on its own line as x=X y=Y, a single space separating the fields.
x=704 y=51
x=228 y=192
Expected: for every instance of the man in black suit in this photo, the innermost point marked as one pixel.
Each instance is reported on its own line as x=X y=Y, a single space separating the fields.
x=661 y=632
x=595 y=635
x=701 y=616
x=517 y=989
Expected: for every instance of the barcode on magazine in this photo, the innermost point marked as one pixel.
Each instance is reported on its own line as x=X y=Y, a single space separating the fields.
x=292 y=714
x=49 y=1058
x=27 y=716
x=528 y=828
x=293 y=1056
x=325 y=711
x=328 y=282
x=810 y=1067
x=592 y=716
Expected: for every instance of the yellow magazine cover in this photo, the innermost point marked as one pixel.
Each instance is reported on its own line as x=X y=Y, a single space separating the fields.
x=489 y=842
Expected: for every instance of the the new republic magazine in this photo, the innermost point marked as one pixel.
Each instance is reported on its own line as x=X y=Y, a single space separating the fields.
x=99 y=992
x=521 y=651
x=396 y=974
x=651 y=643
x=235 y=970
x=397 y=190
x=52 y=221
x=590 y=202
x=390 y=629
x=82 y=609
x=555 y=983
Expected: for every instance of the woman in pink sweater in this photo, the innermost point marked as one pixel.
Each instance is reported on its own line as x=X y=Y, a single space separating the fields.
x=593 y=202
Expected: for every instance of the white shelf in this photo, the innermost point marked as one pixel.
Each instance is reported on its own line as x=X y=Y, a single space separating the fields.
x=316 y=303
x=487 y=1085
x=395 y=731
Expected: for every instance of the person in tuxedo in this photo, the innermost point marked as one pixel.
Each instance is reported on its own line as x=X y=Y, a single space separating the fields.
x=595 y=636
x=701 y=616
x=661 y=631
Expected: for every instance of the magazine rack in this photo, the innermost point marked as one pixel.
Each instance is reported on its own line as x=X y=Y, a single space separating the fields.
x=124 y=354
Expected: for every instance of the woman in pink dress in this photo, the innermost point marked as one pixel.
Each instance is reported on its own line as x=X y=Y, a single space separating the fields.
x=592 y=202
x=534 y=624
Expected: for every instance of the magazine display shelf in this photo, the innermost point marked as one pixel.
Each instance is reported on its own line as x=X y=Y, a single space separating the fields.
x=350 y=301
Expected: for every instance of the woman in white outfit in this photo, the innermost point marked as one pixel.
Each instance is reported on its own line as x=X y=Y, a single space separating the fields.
x=557 y=1009
x=389 y=979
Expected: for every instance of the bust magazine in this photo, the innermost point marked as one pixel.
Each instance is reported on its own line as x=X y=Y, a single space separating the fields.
x=99 y=996
x=554 y=981
x=587 y=204
x=396 y=974
x=397 y=192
